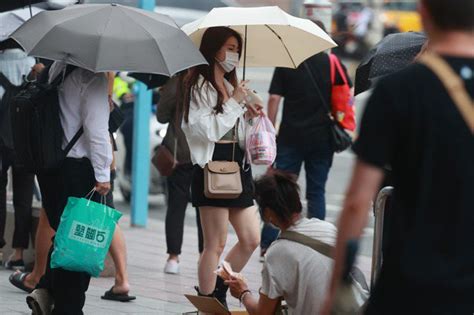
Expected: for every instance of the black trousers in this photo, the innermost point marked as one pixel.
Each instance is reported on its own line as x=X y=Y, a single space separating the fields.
x=179 y=184
x=75 y=179
x=23 y=183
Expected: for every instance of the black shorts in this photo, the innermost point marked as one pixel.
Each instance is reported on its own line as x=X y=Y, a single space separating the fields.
x=223 y=152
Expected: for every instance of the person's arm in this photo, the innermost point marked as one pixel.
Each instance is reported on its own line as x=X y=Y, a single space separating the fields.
x=364 y=185
x=167 y=103
x=95 y=117
x=262 y=306
x=204 y=123
x=277 y=90
x=273 y=105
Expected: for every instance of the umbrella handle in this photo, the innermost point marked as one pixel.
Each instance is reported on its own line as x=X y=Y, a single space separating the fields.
x=245 y=52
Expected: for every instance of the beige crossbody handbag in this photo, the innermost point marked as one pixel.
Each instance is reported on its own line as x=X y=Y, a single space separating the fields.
x=453 y=84
x=222 y=178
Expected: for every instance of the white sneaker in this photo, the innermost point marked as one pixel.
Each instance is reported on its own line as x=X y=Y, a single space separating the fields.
x=172 y=267
x=40 y=302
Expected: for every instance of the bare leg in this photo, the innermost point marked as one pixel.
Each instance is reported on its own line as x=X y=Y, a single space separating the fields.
x=246 y=223
x=214 y=226
x=118 y=251
x=44 y=234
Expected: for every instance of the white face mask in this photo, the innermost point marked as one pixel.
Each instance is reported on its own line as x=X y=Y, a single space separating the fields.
x=230 y=62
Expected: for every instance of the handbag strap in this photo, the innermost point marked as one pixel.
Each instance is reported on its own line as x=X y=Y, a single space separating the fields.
x=234 y=137
x=320 y=247
x=312 y=77
x=336 y=65
x=453 y=84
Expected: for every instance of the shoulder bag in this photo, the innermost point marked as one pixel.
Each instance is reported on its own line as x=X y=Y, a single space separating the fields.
x=165 y=161
x=222 y=178
x=342 y=101
x=341 y=140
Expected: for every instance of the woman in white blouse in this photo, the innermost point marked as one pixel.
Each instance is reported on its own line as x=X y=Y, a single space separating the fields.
x=213 y=105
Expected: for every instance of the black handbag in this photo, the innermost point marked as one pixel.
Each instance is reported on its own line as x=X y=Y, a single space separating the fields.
x=340 y=139
x=116 y=119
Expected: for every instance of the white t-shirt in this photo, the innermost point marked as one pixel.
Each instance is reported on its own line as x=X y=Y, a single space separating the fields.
x=298 y=273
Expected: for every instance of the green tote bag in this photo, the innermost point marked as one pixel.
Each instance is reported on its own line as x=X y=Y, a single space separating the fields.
x=84 y=235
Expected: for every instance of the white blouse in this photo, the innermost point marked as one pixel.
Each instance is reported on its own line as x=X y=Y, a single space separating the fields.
x=205 y=127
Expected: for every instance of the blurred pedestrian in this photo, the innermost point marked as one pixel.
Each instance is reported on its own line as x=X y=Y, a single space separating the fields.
x=123 y=95
x=83 y=102
x=179 y=182
x=27 y=281
x=15 y=67
x=291 y=271
x=214 y=123
x=412 y=123
x=304 y=133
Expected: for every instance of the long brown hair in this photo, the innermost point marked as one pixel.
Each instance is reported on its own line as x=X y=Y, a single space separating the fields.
x=212 y=41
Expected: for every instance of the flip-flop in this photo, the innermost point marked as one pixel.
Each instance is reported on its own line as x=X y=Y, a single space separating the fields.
x=120 y=297
x=18 y=280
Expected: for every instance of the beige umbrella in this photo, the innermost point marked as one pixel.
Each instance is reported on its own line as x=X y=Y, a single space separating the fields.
x=272 y=37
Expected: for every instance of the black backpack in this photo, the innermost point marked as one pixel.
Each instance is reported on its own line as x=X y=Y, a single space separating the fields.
x=6 y=140
x=37 y=132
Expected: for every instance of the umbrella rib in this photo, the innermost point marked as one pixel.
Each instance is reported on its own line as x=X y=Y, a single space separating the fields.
x=107 y=23
x=156 y=43
x=283 y=43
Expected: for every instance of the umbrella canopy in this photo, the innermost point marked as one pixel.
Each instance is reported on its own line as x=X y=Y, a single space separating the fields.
x=392 y=53
x=272 y=37
x=151 y=80
x=109 y=37
x=11 y=20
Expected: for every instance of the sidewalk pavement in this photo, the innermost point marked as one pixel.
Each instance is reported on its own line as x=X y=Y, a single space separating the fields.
x=157 y=292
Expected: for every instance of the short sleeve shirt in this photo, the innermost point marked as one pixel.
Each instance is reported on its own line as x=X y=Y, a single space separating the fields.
x=304 y=120
x=297 y=272
x=412 y=124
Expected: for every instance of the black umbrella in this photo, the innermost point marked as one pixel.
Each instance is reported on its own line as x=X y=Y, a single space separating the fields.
x=7 y=5
x=392 y=53
x=151 y=80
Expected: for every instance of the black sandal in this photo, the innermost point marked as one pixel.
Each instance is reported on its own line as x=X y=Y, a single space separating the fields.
x=119 y=297
x=18 y=280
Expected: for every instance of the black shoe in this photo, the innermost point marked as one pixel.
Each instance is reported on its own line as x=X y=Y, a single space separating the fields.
x=220 y=292
x=200 y=294
x=15 y=264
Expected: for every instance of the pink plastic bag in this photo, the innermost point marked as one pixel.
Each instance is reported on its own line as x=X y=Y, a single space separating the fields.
x=261 y=142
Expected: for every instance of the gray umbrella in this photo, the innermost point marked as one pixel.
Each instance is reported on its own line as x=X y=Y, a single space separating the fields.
x=109 y=37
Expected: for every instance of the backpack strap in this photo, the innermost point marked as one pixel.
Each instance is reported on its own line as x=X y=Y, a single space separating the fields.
x=57 y=81
x=453 y=84
x=5 y=82
x=63 y=75
x=73 y=141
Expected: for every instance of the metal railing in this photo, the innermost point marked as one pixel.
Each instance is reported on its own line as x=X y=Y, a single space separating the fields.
x=379 y=212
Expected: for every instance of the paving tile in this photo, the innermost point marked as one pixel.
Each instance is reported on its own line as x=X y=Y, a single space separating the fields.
x=157 y=292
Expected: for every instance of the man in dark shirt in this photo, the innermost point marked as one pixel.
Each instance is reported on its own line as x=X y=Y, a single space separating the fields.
x=412 y=124
x=304 y=133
